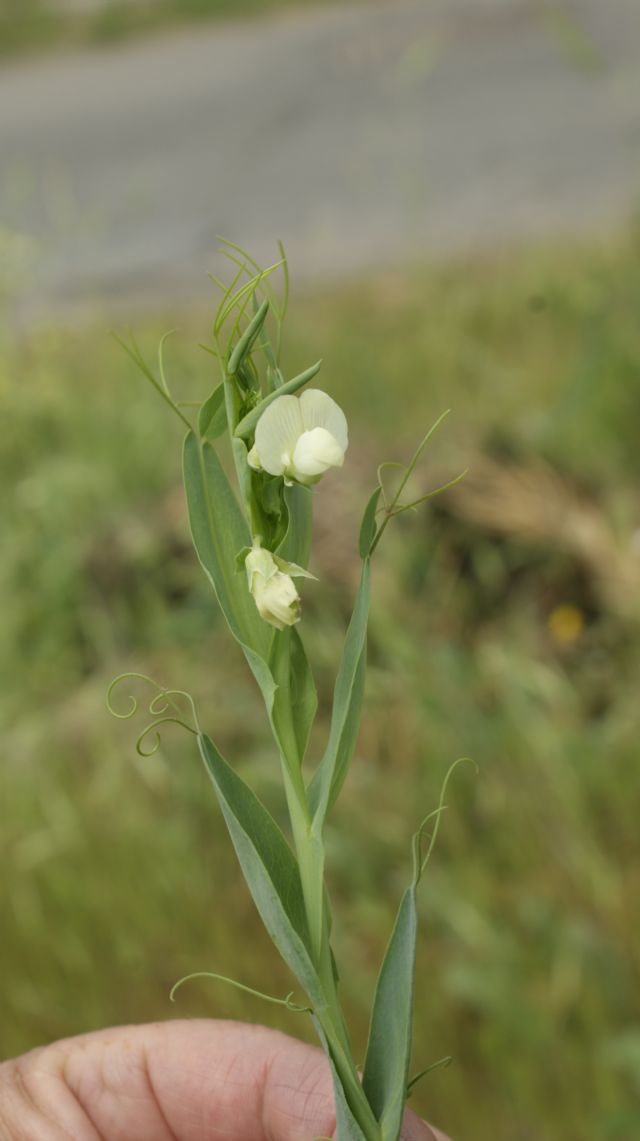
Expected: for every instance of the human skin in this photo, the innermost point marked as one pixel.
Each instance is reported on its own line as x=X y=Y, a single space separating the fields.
x=196 y=1080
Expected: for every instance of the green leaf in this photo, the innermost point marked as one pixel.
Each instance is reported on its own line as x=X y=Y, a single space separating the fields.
x=292 y=569
x=386 y=1067
x=270 y=517
x=290 y=720
x=248 y=422
x=241 y=559
x=274 y=377
x=219 y=531
x=369 y=526
x=296 y=544
x=347 y=1127
x=212 y=417
x=296 y=696
x=245 y=342
x=247 y=378
x=347 y=704
x=268 y=865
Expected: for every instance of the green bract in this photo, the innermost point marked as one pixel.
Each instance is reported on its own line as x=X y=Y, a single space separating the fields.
x=252 y=544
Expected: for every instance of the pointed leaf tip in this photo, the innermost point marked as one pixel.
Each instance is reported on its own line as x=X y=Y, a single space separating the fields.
x=369 y=526
x=243 y=346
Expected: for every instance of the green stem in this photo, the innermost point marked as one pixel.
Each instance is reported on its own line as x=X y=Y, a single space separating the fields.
x=310 y=855
x=311 y=863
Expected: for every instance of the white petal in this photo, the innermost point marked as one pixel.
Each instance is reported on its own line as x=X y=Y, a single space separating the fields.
x=259 y=563
x=273 y=591
x=277 y=600
x=315 y=452
x=253 y=459
x=277 y=431
x=320 y=411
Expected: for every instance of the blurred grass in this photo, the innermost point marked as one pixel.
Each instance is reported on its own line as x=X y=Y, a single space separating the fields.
x=486 y=641
x=38 y=25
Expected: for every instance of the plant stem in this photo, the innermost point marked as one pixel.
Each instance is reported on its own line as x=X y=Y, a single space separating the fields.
x=310 y=855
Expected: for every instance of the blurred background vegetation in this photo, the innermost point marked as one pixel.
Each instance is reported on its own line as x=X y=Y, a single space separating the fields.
x=41 y=25
x=505 y=627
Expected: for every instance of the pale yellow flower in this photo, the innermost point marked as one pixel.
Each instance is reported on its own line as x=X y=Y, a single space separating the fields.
x=271 y=584
x=301 y=437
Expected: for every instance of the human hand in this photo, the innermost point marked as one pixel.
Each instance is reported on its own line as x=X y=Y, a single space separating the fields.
x=174 y=1081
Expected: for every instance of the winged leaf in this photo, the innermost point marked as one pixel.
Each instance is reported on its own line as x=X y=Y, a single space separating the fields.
x=248 y=422
x=369 y=526
x=269 y=867
x=386 y=1067
x=347 y=703
x=219 y=531
x=347 y=1128
x=212 y=417
x=290 y=723
x=297 y=541
x=296 y=698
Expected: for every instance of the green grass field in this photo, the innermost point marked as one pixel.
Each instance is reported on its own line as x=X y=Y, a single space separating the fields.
x=505 y=627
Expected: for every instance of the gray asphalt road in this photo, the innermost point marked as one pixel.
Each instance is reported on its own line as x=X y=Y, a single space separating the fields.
x=357 y=134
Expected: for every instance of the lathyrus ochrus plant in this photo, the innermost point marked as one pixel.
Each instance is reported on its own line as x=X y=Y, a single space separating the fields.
x=254 y=548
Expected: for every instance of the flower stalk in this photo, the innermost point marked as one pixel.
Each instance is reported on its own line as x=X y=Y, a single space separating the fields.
x=254 y=547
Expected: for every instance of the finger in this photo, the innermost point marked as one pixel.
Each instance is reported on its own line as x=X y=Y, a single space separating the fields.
x=185 y=1081
x=413 y=1129
x=434 y=1134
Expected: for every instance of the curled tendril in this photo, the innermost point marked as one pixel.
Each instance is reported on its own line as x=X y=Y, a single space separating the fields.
x=165 y=697
x=153 y=728
x=287 y=1001
x=134 y=701
x=419 y=861
x=157 y=709
x=163 y=700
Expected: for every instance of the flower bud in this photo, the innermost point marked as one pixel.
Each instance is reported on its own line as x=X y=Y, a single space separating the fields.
x=273 y=591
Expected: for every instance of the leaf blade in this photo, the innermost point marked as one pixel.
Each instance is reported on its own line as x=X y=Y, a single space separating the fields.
x=268 y=865
x=212 y=417
x=296 y=699
x=219 y=531
x=248 y=422
x=386 y=1067
x=245 y=343
x=347 y=1128
x=296 y=544
x=347 y=704
x=369 y=527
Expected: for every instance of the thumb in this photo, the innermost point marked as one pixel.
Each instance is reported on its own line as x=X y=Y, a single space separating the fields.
x=175 y=1081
